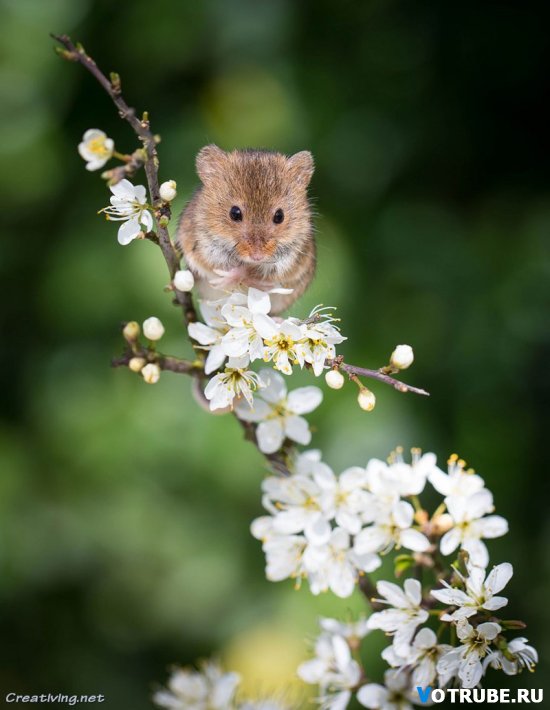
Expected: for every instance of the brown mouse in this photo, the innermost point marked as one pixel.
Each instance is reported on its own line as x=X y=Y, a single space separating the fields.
x=249 y=224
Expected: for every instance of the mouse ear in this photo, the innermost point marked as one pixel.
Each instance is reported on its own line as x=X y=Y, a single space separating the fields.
x=301 y=167
x=210 y=160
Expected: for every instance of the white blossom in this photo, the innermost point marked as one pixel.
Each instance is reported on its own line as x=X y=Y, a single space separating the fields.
x=465 y=661
x=344 y=497
x=458 y=481
x=395 y=694
x=208 y=689
x=281 y=340
x=96 y=148
x=243 y=338
x=352 y=631
x=129 y=205
x=335 y=566
x=397 y=477
x=402 y=357
x=470 y=526
x=420 y=659
x=295 y=503
x=479 y=592
x=319 y=337
x=277 y=412
x=392 y=529
x=518 y=655
x=153 y=328
x=234 y=381
x=283 y=553
x=404 y=614
x=210 y=333
x=184 y=280
x=334 y=670
x=167 y=190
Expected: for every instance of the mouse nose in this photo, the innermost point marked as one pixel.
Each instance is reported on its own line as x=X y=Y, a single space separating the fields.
x=256 y=247
x=256 y=254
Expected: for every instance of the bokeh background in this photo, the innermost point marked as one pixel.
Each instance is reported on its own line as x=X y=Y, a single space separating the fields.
x=124 y=509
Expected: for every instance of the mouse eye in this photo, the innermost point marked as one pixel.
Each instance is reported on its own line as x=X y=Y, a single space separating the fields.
x=236 y=214
x=279 y=216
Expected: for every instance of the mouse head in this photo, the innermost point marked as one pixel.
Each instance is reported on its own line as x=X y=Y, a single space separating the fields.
x=255 y=202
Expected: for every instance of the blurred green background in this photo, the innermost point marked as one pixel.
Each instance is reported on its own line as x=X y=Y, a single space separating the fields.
x=124 y=509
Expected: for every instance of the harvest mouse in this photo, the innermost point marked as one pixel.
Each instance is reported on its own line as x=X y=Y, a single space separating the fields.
x=249 y=224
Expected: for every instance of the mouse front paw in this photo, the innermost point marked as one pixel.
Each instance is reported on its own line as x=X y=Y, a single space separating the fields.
x=228 y=280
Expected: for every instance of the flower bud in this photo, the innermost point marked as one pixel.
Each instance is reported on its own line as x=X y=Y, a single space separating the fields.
x=168 y=191
x=184 y=280
x=137 y=364
x=153 y=328
x=151 y=373
x=402 y=357
x=442 y=523
x=131 y=330
x=366 y=399
x=334 y=379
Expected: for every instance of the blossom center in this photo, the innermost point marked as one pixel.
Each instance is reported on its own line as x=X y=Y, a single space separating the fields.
x=97 y=147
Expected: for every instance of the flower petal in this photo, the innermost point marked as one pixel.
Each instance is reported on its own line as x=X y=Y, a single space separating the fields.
x=258 y=301
x=372 y=696
x=414 y=540
x=304 y=399
x=499 y=577
x=128 y=231
x=275 y=389
x=297 y=429
x=270 y=436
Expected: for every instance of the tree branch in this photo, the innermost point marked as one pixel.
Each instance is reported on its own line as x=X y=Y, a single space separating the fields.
x=148 y=158
x=141 y=127
x=165 y=362
x=338 y=363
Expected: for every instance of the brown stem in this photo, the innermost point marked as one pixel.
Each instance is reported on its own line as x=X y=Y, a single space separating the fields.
x=277 y=461
x=127 y=170
x=165 y=362
x=143 y=131
x=338 y=363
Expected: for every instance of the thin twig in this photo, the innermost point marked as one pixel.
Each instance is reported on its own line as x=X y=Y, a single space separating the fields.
x=165 y=362
x=338 y=363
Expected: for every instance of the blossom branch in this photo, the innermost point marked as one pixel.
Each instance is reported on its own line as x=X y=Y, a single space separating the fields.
x=76 y=53
x=353 y=370
x=131 y=165
x=164 y=362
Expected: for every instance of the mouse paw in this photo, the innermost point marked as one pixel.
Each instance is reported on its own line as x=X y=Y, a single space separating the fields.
x=228 y=280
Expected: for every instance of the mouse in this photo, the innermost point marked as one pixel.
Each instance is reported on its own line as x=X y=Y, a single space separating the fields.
x=249 y=224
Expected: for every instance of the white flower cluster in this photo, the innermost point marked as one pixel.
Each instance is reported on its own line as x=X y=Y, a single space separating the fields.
x=368 y=505
x=238 y=331
x=329 y=529
x=333 y=668
x=416 y=657
x=208 y=689
x=128 y=201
